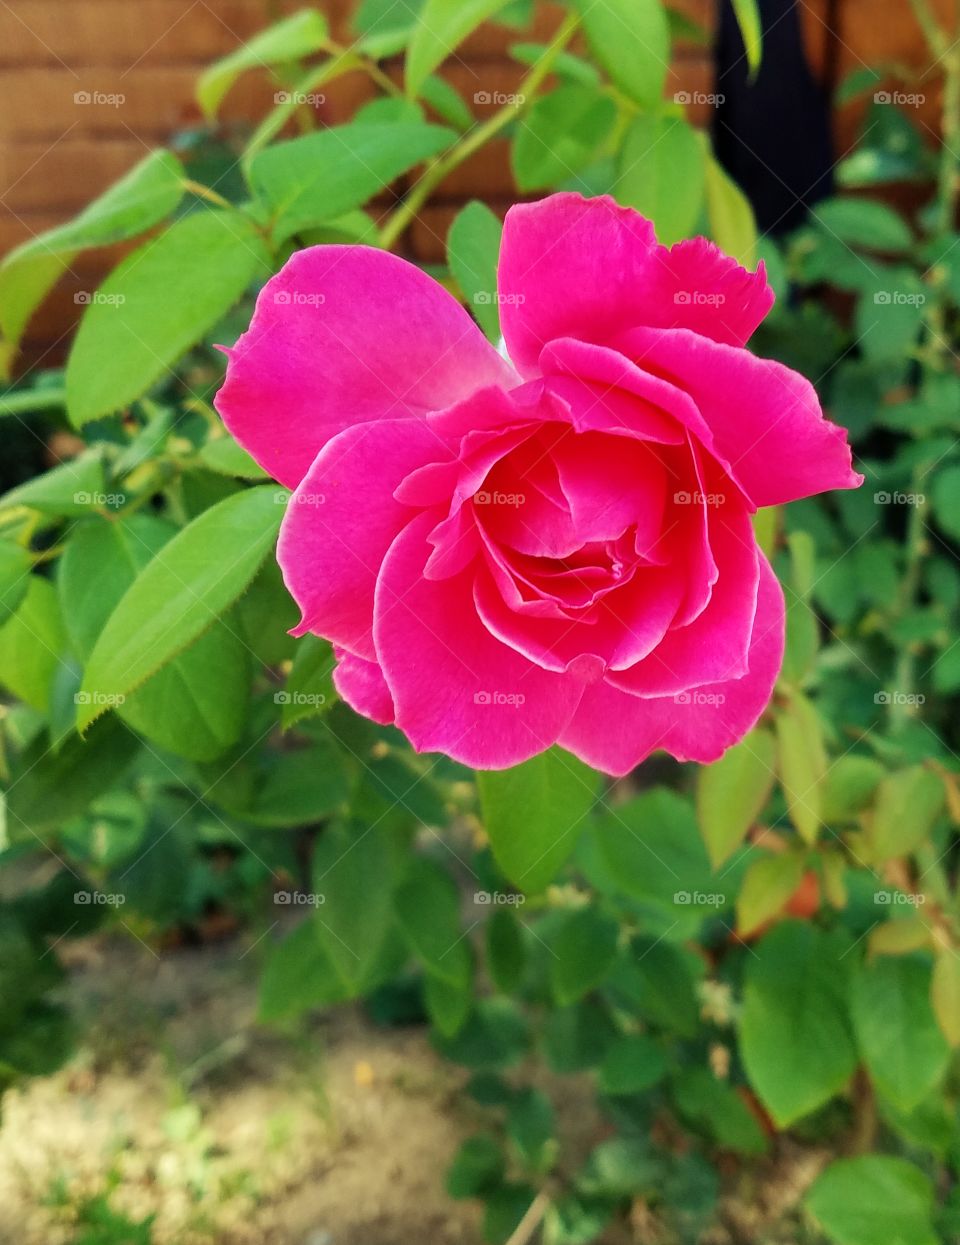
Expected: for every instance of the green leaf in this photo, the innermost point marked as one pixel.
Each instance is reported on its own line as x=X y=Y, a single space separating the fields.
x=896 y=1029
x=849 y=786
x=631 y=40
x=223 y=455
x=874 y=1200
x=309 y=687
x=656 y=982
x=732 y=792
x=441 y=26
x=534 y=812
x=889 y=314
x=473 y=249
x=49 y=788
x=864 y=223
x=716 y=1106
x=31 y=643
x=748 y=19
x=180 y=594
x=300 y=34
x=945 y=994
x=506 y=954
x=802 y=764
x=157 y=304
x=352 y=872
x=560 y=135
x=147 y=194
x=279 y=790
x=653 y=849
x=72 y=488
x=446 y=102
x=320 y=176
x=448 y=1006
x=530 y=1127
x=946 y=500
x=477 y=1166
x=632 y=1065
x=732 y=223
x=794 y=1033
x=196 y=705
x=298 y=976
x=906 y=806
x=428 y=909
x=583 y=950
x=767 y=885
x=662 y=174
x=15 y=564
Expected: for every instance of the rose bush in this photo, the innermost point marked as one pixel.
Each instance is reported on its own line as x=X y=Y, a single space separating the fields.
x=555 y=546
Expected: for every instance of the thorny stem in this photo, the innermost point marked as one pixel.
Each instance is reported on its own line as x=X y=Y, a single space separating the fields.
x=440 y=168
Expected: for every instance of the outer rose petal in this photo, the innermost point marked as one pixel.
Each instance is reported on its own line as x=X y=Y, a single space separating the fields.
x=362 y=686
x=381 y=340
x=340 y=523
x=765 y=418
x=614 y=731
x=590 y=269
x=445 y=670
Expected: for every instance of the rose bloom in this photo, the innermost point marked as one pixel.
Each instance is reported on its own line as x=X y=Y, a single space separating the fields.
x=550 y=547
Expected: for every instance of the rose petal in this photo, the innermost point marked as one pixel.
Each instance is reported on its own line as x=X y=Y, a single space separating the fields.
x=362 y=686
x=590 y=269
x=340 y=523
x=614 y=731
x=457 y=690
x=764 y=418
x=385 y=342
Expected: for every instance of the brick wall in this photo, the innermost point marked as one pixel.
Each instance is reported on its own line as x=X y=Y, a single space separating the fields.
x=56 y=154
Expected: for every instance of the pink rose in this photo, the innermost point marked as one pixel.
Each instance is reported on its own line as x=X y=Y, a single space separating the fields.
x=554 y=548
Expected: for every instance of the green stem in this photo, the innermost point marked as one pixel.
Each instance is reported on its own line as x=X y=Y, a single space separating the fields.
x=438 y=170
x=937 y=355
x=205 y=192
x=25 y=401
